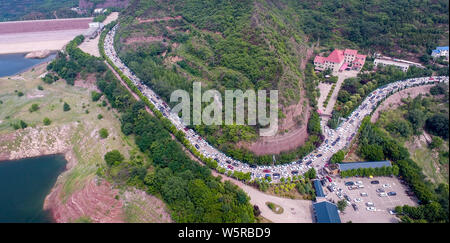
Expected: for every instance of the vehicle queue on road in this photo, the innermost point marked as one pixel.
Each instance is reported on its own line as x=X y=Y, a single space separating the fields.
x=335 y=139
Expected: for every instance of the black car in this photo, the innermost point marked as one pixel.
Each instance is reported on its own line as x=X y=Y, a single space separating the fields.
x=235 y=164
x=392 y=193
x=323 y=181
x=253 y=166
x=309 y=162
x=375 y=182
x=354 y=207
x=319 y=155
x=229 y=162
x=198 y=147
x=300 y=162
x=216 y=160
x=349 y=183
x=294 y=172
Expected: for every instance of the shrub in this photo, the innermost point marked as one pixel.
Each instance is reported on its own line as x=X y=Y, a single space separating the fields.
x=34 y=107
x=66 y=107
x=47 y=121
x=100 y=116
x=103 y=133
x=96 y=96
x=113 y=157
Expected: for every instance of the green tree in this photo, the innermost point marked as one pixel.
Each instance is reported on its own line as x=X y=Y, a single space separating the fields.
x=96 y=96
x=436 y=142
x=338 y=157
x=103 y=133
x=34 y=107
x=113 y=157
x=342 y=204
x=373 y=152
x=66 y=107
x=47 y=121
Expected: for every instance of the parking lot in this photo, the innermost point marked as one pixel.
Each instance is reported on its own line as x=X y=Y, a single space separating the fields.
x=381 y=204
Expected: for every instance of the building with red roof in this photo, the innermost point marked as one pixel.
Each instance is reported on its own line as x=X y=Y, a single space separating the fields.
x=336 y=60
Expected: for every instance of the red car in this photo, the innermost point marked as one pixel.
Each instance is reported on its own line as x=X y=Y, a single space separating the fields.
x=266 y=171
x=186 y=129
x=230 y=167
x=328 y=178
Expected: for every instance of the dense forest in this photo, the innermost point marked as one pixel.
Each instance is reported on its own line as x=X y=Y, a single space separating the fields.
x=400 y=28
x=36 y=9
x=190 y=191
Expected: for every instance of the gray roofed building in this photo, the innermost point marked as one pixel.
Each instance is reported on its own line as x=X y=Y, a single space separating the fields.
x=318 y=188
x=326 y=212
x=369 y=164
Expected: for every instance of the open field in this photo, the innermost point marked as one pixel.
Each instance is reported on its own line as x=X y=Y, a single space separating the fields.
x=28 y=36
x=74 y=133
x=428 y=159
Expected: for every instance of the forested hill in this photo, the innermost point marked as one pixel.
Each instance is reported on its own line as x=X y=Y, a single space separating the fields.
x=35 y=9
x=231 y=44
x=265 y=44
x=401 y=28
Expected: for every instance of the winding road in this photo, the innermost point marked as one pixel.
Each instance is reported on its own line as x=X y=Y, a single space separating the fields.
x=335 y=139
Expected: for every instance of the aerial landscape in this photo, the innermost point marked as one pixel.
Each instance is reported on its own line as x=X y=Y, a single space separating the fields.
x=224 y=111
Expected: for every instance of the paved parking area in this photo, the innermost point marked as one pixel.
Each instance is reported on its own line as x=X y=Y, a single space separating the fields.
x=382 y=205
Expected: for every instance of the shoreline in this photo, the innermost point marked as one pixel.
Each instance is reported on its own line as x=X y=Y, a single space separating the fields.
x=29 y=68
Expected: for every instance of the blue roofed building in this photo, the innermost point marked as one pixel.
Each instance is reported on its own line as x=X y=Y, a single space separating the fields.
x=369 y=164
x=318 y=188
x=326 y=212
x=440 y=51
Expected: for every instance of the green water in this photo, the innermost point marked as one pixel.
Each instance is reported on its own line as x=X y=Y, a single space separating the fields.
x=24 y=184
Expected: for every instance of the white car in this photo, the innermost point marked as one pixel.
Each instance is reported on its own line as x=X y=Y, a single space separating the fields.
x=371 y=209
x=358 y=199
x=392 y=212
x=364 y=194
x=386 y=186
x=370 y=204
x=383 y=194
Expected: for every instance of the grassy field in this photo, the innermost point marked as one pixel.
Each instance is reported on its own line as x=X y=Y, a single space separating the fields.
x=83 y=137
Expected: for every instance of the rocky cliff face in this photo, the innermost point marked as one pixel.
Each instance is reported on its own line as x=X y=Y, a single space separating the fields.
x=89 y=4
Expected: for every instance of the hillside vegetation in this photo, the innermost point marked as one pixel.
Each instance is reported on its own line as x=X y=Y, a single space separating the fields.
x=400 y=28
x=392 y=136
x=224 y=45
x=191 y=193
x=36 y=9
x=262 y=44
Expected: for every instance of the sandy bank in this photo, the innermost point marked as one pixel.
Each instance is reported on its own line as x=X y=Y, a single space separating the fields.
x=37 y=41
x=38 y=54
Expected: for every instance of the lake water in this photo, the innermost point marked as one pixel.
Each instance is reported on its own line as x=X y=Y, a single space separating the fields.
x=12 y=64
x=24 y=184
